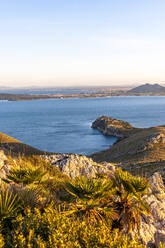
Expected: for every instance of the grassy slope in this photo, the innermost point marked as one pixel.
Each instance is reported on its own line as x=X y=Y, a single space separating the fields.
x=13 y=146
x=4 y=138
x=126 y=149
x=135 y=153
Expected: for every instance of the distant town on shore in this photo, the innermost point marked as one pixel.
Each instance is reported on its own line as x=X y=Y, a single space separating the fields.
x=89 y=92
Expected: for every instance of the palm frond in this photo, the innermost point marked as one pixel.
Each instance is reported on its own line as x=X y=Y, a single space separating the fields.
x=25 y=176
x=9 y=204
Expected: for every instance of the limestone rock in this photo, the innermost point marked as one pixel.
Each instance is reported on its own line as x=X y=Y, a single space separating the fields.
x=75 y=165
x=153 y=227
x=4 y=166
x=157 y=138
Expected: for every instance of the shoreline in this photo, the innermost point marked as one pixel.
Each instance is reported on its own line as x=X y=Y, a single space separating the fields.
x=28 y=97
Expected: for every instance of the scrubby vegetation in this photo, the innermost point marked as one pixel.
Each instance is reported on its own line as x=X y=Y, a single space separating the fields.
x=41 y=207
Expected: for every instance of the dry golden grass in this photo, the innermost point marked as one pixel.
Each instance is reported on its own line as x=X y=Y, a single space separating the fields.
x=15 y=147
x=136 y=153
x=134 y=148
x=4 y=138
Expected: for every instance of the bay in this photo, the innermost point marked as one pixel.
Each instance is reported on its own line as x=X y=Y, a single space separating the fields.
x=64 y=125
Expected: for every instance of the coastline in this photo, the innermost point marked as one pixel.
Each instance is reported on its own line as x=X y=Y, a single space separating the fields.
x=28 y=97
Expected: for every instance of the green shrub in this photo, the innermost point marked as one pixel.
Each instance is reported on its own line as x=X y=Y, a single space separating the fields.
x=25 y=176
x=53 y=229
x=128 y=201
x=93 y=199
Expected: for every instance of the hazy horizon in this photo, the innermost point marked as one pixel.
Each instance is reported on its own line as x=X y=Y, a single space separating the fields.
x=70 y=43
x=66 y=87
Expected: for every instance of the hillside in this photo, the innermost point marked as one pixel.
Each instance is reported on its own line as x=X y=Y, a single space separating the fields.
x=61 y=199
x=148 y=88
x=73 y=200
x=13 y=146
x=140 y=150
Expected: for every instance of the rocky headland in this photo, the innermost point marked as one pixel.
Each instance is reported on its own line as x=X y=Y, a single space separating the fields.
x=139 y=150
x=118 y=128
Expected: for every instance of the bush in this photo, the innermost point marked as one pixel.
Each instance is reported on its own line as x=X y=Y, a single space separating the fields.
x=53 y=229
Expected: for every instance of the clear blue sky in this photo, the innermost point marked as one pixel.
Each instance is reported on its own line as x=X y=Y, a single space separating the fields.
x=81 y=42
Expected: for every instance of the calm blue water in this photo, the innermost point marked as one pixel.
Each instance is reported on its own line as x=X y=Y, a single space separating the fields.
x=64 y=125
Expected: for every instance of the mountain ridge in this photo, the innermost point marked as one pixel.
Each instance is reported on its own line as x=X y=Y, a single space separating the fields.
x=147 y=88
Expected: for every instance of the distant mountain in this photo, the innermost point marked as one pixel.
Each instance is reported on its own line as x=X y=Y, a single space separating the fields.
x=148 y=88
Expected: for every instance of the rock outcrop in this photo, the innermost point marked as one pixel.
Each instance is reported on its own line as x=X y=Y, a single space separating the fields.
x=4 y=166
x=75 y=165
x=152 y=230
x=113 y=127
x=156 y=138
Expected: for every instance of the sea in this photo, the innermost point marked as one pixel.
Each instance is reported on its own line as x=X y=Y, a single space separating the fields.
x=64 y=125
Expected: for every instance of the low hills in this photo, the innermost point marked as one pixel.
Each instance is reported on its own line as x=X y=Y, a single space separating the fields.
x=148 y=88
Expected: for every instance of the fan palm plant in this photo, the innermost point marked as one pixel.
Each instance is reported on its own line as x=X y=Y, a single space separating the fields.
x=9 y=204
x=93 y=199
x=129 y=199
x=25 y=176
x=29 y=198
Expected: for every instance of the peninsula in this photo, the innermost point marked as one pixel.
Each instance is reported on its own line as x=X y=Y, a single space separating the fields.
x=142 y=90
x=139 y=150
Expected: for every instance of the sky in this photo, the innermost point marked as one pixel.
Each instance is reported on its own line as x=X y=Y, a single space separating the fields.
x=82 y=42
